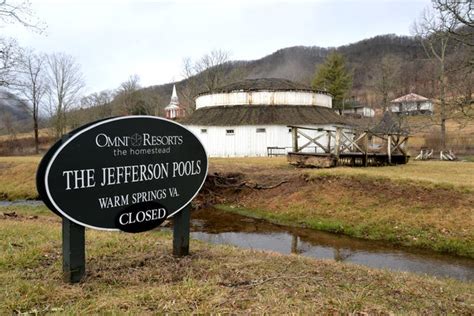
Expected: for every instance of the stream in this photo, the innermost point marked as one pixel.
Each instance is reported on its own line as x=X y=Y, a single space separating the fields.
x=219 y=227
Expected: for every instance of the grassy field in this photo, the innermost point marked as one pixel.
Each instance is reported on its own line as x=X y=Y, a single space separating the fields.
x=135 y=273
x=17 y=174
x=458 y=175
x=17 y=177
x=422 y=204
x=460 y=133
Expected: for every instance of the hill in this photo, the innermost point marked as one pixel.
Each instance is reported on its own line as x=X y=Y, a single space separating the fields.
x=13 y=111
x=296 y=63
x=299 y=63
x=410 y=72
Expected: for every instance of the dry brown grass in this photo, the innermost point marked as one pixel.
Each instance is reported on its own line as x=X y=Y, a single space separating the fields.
x=455 y=174
x=17 y=177
x=44 y=132
x=135 y=273
x=460 y=134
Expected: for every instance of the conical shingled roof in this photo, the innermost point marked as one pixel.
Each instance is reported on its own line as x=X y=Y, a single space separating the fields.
x=264 y=115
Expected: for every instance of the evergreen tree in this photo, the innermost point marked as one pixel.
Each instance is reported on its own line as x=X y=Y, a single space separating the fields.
x=333 y=77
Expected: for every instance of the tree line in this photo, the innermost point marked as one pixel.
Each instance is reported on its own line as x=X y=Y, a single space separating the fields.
x=52 y=86
x=436 y=62
x=445 y=32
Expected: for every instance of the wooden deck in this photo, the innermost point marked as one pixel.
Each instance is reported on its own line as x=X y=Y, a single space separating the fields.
x=346 y=147
x=324 y=160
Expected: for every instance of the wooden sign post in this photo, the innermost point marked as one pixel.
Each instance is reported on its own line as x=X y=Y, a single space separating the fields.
x=126 y=173
x=74 y=252
x=181 y=223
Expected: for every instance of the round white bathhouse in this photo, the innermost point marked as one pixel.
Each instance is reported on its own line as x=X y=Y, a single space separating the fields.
x=251 y=117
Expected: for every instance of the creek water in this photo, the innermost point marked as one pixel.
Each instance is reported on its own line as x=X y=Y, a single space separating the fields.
x=219 y=227
x=21 y=203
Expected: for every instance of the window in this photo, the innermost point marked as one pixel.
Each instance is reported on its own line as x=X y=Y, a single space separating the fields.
x=289 y=130
x=204 y=131
x=261 y=130
x=229 y=132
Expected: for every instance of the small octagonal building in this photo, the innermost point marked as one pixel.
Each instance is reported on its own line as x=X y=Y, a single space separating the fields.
x=249 y=117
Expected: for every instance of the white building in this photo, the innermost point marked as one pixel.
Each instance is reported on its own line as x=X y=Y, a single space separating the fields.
x=359 y=111
x=248 y=117
x=412 y=104
x=174 y=111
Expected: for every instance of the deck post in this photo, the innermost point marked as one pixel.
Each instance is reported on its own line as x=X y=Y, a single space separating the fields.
x=366 y=144
x=337 y=142
x=403 y=149
x=294 y=134
x=389 y=149
x=329 y=142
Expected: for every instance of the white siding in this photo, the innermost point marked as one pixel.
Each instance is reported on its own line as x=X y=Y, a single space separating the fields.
x=364 y=111
x=368 y=112
x=264 y=98
x=412 y=106
x=426 y=106
x=246 y=142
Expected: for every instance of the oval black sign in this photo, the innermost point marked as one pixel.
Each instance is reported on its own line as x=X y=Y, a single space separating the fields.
x=135 y=165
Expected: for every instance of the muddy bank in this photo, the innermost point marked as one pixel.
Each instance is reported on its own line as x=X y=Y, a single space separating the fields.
x=400 y=212
x=240 y=187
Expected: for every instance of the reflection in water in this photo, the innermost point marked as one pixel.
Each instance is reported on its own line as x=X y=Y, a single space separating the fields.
x=294 y=244
x=219 y=227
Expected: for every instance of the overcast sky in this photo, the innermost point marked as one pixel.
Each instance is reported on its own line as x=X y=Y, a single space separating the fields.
x=114 y=39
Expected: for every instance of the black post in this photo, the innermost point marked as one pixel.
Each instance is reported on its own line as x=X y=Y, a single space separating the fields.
x=74 y=255
x=181 y=222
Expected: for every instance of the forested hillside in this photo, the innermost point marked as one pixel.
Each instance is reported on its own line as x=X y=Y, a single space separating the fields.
x=397 y=62
x=12 y=111
x=405 y=55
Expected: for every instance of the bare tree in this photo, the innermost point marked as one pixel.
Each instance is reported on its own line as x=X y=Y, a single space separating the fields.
x=460 y=13
x=385 y=80
x=190 y=86
x=7 y=122
x=128 y=95
x=431 y=29
x=31 y=86
x=209 y=72
x=9 y=57
x=12 y=12
x=461 y=85
x=213 y=67
x=19 y=12
x=130 y=85
x=100 y=101
x=65 y=82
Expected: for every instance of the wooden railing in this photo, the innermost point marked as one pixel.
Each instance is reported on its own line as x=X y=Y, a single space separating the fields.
x=349 y=142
